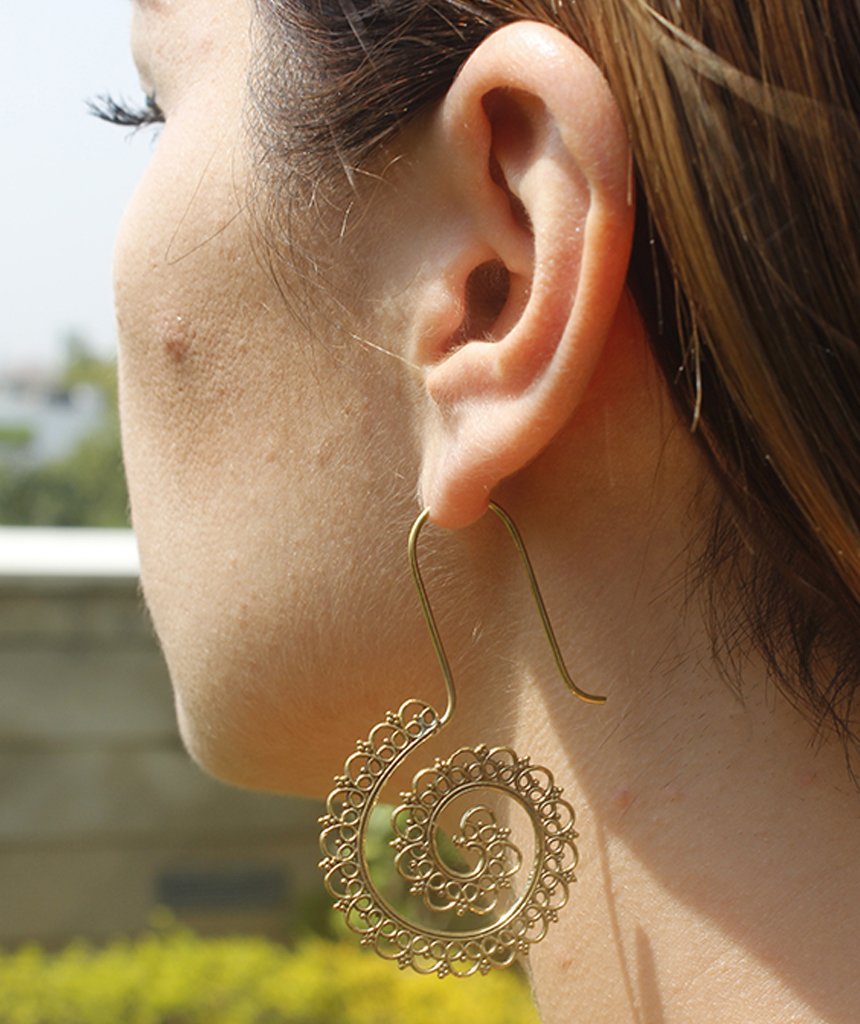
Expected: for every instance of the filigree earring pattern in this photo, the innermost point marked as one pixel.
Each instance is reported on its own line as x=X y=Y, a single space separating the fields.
x=485 y=885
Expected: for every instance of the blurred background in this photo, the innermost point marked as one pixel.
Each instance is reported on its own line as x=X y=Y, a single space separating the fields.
x=132 y=887
x=102 y=816
x=65 y=178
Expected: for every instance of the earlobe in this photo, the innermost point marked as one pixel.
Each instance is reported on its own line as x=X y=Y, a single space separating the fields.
x=539 y=157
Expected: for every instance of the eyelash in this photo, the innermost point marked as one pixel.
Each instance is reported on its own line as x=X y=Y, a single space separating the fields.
x=118 y=112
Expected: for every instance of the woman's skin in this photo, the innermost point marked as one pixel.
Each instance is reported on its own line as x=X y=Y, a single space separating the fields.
x=274 y=456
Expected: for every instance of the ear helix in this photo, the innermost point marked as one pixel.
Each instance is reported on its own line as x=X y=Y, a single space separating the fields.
x=485 y=886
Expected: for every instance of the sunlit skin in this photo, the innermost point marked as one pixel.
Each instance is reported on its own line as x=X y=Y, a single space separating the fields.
x=276 y=462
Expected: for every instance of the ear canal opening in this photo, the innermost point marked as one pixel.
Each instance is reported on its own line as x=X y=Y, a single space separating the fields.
x=487 y=291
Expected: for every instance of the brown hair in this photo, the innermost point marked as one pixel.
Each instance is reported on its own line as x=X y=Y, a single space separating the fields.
x=743 y=120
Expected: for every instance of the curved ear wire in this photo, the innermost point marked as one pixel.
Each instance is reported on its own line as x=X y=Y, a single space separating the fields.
x=538 y=155
x=430 y=618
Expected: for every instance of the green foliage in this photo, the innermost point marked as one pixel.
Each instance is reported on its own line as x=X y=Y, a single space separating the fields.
x=174 y=977
x=15 y=436
x=87 y=487
x=83 y=366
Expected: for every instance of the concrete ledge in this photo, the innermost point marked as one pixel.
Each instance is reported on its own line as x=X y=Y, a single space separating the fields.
x=103 y=817
x=36 y=555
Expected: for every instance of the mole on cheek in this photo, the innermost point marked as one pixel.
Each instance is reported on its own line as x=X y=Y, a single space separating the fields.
x=176 y=338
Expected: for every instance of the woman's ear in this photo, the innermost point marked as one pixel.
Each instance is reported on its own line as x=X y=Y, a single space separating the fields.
x=531 y=143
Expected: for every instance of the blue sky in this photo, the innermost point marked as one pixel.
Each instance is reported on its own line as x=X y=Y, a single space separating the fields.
x=64 y=177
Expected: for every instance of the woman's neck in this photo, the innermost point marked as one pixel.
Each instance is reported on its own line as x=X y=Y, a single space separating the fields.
x=719 y=849
x=719 y=839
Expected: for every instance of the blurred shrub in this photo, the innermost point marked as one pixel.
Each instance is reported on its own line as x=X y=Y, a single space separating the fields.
x=86 y=487
x=14 y=436
x=175 y=977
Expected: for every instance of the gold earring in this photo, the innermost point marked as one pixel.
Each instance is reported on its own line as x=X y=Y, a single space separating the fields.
x=470 y=892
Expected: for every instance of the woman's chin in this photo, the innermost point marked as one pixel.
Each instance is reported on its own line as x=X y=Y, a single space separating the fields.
x=243 y=748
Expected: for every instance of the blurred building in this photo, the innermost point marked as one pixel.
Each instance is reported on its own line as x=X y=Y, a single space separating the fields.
x=41 y=421
x=103 y=817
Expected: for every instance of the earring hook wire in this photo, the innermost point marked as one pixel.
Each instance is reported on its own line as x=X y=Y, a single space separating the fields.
x=430 y=618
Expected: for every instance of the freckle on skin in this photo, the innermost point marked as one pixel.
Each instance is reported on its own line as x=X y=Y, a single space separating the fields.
x=623 y=799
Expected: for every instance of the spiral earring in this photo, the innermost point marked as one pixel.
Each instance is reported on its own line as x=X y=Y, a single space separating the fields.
x=483 y=886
